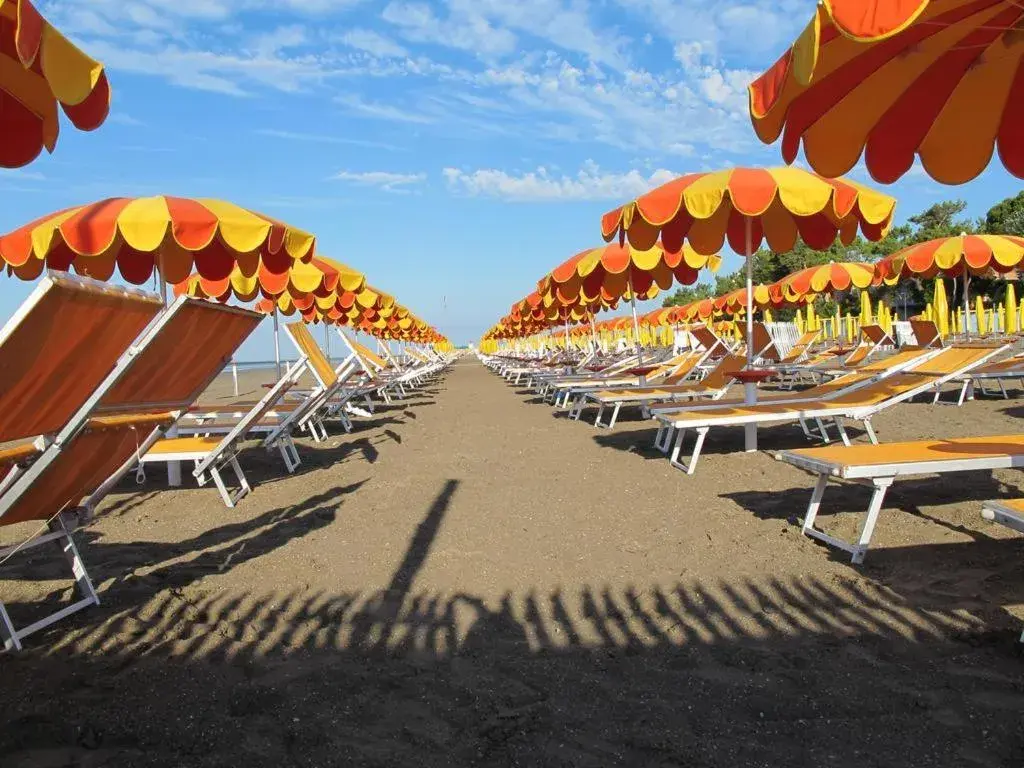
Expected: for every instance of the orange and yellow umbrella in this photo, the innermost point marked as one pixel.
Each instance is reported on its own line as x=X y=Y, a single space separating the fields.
x=736 y=302
x=940 y=79
x=320 y=276
x=171 y=234
x=824 y=278
x=39 y=69
x=612 y=272
x=952 y=255
x=747 y=206
x=776 y=205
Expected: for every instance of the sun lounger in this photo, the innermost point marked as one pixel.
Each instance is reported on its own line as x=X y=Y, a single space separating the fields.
x=998 y=371
x=671 y=371
x=713 y=386
x=926 y=333
x=860 y=404
x=878 y=466
x=1005 y=512
x=800 y=351
x=61 y=478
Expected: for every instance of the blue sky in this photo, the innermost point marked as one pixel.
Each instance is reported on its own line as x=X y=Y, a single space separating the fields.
x=452 y=150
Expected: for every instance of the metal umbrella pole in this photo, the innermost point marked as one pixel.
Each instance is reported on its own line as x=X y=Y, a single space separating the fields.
x=277 y=344
x=750 y=387
x=636 y=321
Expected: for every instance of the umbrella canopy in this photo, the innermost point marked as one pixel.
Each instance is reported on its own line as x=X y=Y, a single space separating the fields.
x=952 y=255
x=320 y=276
x=778 y=204
x=824 y=278
x=172 y=234
x=737 y=301
x=941 y=79
x=39 y=69
x=612 y=272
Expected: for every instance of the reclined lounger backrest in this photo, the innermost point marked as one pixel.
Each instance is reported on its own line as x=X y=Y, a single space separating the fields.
x=60 y=345
x=152 y=383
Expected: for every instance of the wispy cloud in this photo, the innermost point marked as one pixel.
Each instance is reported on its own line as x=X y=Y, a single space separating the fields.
x=373 y=43
x=390 y=182
x=123 y=118
x=324 y=139
x=382 y=111
x=589 y=183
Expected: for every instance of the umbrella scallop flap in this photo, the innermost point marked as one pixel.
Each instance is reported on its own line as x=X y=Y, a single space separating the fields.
x=39 y=69
x=891 y=79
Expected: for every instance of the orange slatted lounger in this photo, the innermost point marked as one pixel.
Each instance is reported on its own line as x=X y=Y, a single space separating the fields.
x=861 y=404
x=711 y=387
x=878 y=466
x=848 y=382
x=119 y=423
x=671 y=371
x=799 y=352
x=999 y=371
x=56 y=350
x=926 y=333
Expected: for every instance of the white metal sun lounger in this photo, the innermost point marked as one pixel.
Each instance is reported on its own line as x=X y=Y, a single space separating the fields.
x=878 y=466
x=861 y=404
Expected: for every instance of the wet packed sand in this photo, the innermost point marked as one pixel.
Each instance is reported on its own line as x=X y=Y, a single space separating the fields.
x=471 y=579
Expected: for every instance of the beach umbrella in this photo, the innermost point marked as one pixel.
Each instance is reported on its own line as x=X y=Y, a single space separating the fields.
x=39 y=69
x=940 y=308
x=939 y=79
x=172 y=236
x=1010 y=326
x=979 y=313
x=747 y=206
x=960 y=255
x=319 y=281
x=612 y=272
x=865 y=308
x=825 y=278
x=812 y=323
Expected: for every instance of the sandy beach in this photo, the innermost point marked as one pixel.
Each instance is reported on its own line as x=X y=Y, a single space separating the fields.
x=471 y=579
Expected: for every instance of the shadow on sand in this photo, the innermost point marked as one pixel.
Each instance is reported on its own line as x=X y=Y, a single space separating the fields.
x=736 y=671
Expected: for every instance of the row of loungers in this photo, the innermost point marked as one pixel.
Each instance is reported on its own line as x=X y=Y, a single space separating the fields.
x=856 y=391
x=98 y=379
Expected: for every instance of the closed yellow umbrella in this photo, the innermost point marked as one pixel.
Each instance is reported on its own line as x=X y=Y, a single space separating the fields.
x=1011 y=309
x=849 y=328
x=865 y=308
x=812 y=319
x=979 y=312
x=801 y=326
x=768 y=316
x=941 y=308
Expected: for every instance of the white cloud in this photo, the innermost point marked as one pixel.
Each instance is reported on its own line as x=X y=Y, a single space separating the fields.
x=589 y=183
x=391 y=182
x=382 y=111
x=373 y=43
x=21 y=174
x=123 y=118
x=466 y=30
x=323 y=139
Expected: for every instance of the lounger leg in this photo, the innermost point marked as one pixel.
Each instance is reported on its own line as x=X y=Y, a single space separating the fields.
x=963 y=392
x=877 y=498
x=871 y=432
x=70 y=550
x=243 y=483
x=369 y=403
x=219 y=482
x=663 y=437
x=842 y=431
x=600 y=413
x=814 y=505
x=688 y=468
x=288 y=452
x=615 y=415
x=1003 y=389
x=7 y=631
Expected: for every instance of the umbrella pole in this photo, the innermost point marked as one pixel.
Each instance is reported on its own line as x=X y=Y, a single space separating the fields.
x=593 y=332
x=327 y=342
x=750 y=387
x=567 y=334
x=636 y=321
x=967 y=305
x=277 y=345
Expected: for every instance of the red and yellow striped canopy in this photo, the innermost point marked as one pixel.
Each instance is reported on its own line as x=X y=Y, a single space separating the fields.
x=136 y=235
x=605 y=274
x=735 y=302
x=824 y=278
x=951 y=255
x=320 y=276
x=891 y=79
x=780 y=204
x=40 y=68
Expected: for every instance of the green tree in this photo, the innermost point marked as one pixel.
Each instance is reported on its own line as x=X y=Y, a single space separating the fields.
x=688 y=293
x=1006 y=217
